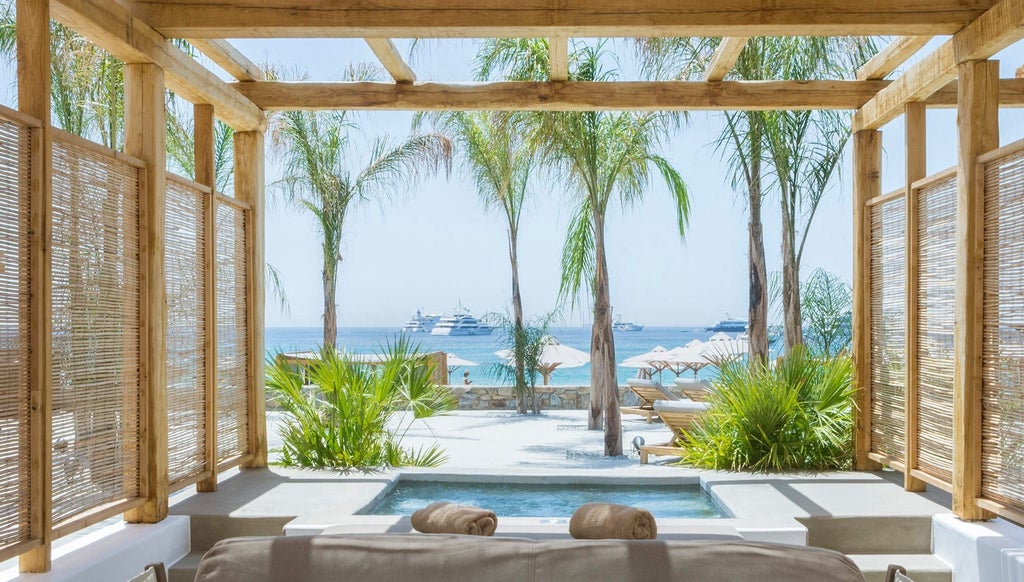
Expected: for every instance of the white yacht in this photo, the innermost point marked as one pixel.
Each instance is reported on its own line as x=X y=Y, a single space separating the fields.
x=461 y=322
x=620 y=325
x=729 y=325
x=421 y=323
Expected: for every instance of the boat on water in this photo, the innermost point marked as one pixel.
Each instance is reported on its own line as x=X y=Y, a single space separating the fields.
x=461 y=322
x=729 y=325
x=421 y=323
x=620 y=325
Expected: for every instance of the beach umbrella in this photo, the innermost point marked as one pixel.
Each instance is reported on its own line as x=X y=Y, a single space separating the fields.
x=652 y=361
x=689 y=357
x=721 y=347
x=553 y=355
x=455 y=361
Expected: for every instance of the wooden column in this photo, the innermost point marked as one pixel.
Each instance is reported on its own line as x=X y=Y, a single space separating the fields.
x=145 y=138
x=917 y=168
x=249 y=187
x=33 y=40
x=205 y=161
x=867 y=162
x=978 y=130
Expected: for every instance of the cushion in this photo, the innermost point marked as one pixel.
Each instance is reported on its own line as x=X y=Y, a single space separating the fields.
x=680 y=406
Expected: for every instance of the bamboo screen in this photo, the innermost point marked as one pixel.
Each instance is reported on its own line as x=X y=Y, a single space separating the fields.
x=232 y=355
x=1002 y=459
x=14 y=333
x=96 y=337
x=936 y=285
x=888 y=327
x=185 y=253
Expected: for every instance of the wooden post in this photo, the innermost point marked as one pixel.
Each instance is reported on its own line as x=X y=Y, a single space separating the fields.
x=917 y=168
x=33 y=39
x=249 y=187
x=867 y=162
x=205 y=163
x=145 y=138
x=978 y=130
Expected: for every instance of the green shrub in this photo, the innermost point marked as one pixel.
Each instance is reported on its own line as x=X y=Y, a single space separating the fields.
x=349 y=417
x=794 y=415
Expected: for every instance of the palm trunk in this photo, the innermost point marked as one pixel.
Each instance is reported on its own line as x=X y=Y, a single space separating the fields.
x=603 y=381
x=790 y=278
x=518 y=332
x=330 y=302
x=758 y=313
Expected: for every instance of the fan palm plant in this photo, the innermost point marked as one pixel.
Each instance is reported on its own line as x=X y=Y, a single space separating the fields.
x=498 y=157
x=600 y=157
x=323 y=177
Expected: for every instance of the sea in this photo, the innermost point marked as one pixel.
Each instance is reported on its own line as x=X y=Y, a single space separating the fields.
x=480 y=349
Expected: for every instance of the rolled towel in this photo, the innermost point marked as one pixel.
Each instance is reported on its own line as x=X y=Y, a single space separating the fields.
x=608 y=521
x=446 y=517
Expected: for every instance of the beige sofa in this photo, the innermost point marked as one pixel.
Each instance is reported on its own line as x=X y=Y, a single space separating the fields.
x=451 y=558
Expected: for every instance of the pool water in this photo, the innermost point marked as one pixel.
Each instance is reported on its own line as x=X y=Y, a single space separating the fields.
x=537 y=500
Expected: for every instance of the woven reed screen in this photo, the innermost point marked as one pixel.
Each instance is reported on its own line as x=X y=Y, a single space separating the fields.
x=14 y=333
x=936 y=285
x=185 y=252
x=96 y=351
x=1002 y=460
x=888 y=327
x=232 y=333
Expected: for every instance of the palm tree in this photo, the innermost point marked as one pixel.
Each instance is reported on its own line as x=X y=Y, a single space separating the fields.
x=497 y=156
x=318 y=177
x=600 y=157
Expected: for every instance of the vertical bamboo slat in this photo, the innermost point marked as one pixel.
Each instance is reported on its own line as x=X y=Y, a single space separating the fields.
x=232 y=333
x=867 y=160
x=33 y=55
x=917 y=168
x=206 y=174
x=145 y=138
x=249 y=187
x=978 y=132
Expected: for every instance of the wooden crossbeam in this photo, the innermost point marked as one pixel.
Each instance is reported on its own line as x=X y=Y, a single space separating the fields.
x=389 y=56
x=229 y=58
x=547 y=18
x=564 y=96
x=725 y=57
x=996 y=29
x=890 y=57
x=109 y=25
x=558 y=58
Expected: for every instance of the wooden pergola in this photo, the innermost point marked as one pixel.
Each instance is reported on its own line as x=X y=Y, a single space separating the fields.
x=957 y=74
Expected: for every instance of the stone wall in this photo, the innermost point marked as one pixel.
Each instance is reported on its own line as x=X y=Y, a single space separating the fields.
x=551 y=397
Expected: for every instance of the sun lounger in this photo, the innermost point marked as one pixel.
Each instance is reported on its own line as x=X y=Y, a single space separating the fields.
x=696 y=390
x=647 y=393
x=677 y=415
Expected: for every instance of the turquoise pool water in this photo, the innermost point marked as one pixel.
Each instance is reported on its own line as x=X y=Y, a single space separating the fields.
x=536 y=500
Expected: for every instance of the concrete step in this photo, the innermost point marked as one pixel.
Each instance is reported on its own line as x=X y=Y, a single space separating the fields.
x=920 y=567
x=207 y=530
x=184 y=570
x=871 y=535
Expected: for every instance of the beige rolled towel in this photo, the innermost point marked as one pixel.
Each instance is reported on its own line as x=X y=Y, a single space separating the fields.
x=446 y=517
x=609 y=521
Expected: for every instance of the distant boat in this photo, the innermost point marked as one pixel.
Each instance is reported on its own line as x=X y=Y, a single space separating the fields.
x=729 y=325
x=620 y=325
x=420 y=323
x=461 y=322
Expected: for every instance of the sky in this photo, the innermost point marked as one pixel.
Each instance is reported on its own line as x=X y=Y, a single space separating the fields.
x=433 y=245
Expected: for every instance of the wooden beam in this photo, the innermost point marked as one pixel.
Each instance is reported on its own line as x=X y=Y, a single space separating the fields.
x=250 y=188
x=725 y=57
x=547 y=18
x=145 y=131
x=229 y=58
x=867 y=184
x=996 y=29
x=389 y=56
x=109 y=25
x=892 y=56
x=564 y=96
x=33 y=56
x=917 y=168
x=206 y=174
x=1011 y=94
x=978 y=131
x=558 y=58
